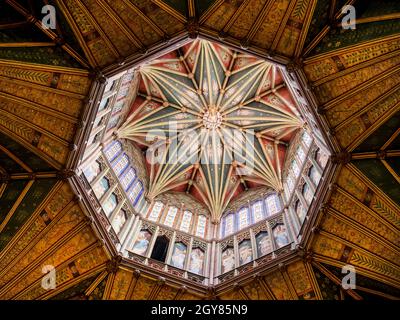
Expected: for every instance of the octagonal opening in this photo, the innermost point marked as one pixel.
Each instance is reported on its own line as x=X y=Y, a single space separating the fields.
x=213 y=150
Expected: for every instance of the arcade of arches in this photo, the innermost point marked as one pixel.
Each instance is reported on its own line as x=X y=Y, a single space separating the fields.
x=187 y=149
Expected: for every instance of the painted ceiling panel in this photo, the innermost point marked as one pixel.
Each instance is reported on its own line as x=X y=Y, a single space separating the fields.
x=366 y=282
x=11 y=193
x=339 y=38
x=377 y=140
x=77 y=291
x=30 y=201
x=34 y=162
x=375 y=170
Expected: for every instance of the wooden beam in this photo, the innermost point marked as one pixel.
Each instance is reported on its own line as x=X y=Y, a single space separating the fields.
x=177 y=15
x=391 y=170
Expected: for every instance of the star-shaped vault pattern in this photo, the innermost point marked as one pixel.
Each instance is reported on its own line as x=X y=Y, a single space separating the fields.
x=213 y=122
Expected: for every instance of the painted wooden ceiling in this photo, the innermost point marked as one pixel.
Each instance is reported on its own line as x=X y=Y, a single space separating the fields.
x=226 y=117
x=46 y=74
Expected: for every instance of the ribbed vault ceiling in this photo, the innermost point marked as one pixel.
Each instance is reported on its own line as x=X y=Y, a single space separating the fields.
x=45 y=76
x=213 y=122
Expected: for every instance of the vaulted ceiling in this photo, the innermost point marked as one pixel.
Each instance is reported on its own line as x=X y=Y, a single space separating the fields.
x=220 y=142
x=352 y=77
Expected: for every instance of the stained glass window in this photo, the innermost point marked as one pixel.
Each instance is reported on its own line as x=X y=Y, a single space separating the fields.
x=272 y=204
x=294 y=167
x=113 y=150
x=186 y=219
x=257 y=209
x=170 y=218
x=290 y=183
x=128 y=178
x=118 y=107
x=301 y=154
x=229 y=224
x=201 y=226
x=135 y=191
x=123 y=92
x=155 y=212
x=243 y=218
x=120 y=164
x=306 y=138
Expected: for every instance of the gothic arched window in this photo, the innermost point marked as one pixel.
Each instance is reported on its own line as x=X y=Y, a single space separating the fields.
x=272 y=203
x=243 y=218
x=229 y=224
x=135 y=192
x=120 y=164
x=113 y=150
x=170 y=218
x=258 y=212
x=186 y=220
x=201 y=226
x=156 y=210
x=128 y=178
x=306 y=138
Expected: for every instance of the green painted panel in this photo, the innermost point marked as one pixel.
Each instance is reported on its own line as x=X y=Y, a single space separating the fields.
x=339 y=38
x=329 y=289
x=178 y=5
x=376 y=8
x=32 y=160
x=76 y=290
x=366 y=282
x=11 y=193
x=380 y=176
x=377 y=139
x=98 y=293
x=31 y=201
x=319 y=20
x=203 y=5
x=53 y=56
